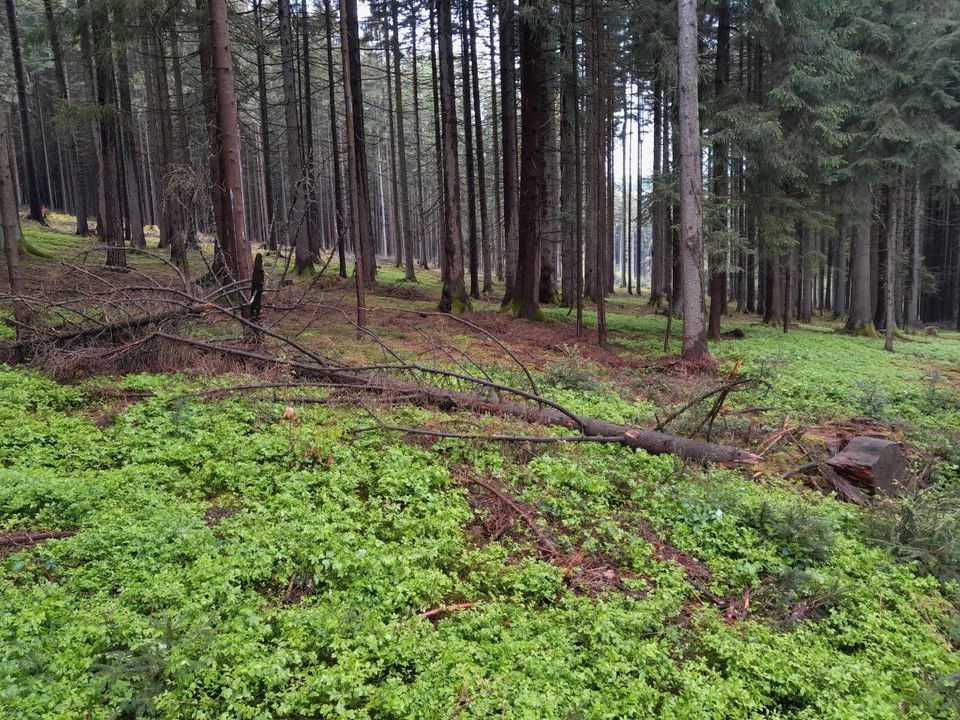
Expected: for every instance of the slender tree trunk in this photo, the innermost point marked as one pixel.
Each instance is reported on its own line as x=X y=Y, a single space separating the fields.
x=112 y=234
x=437 y=137
x=311 y=208
x=508 y=122
x=913 y=309
x=691 y=214
x=497 y=237
x=892 y=230
x=657 y=243
x=485 y=248
x=391 y=209
x=718 y=300
x=353 y=167
x=32 y=182
x=406 y=223
x=73 y=149
x=473 y=241
x=348 y=9
x=421 y=217
x=454 y=298
x=298 y=236
x=10 y=223
x=568 y=151
x=131 y=158
x=265 y=153
x=335 y=143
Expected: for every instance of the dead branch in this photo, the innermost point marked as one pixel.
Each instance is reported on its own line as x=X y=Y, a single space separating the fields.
x=444 y=609
x=28 y=538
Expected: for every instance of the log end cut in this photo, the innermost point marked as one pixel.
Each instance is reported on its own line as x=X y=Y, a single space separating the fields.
x=873 y=462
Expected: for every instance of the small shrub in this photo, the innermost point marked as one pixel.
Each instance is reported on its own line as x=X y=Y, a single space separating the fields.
x=572 y=372
x=923 y=528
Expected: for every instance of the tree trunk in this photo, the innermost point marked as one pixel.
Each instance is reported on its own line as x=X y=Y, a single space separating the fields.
x=860 y=319
x=508 y=123
x=913 y=309
x=568 y=150
x=718 y=300
x=485 y=249
x=351 y=39
x=73 y=146
x=298 y=237
x=473 y=241
x=494 y=117
x=407 y=225
x=335 y=144
x=131 y=158
x=454 y=297
x=112 y=234
x=32 y=182
x=10 y=223
x=890 y=321
x=311 y=207
x=533 y=116
x=234 y=243
x=421 y=217
x=691 y=214
x=353 y=167
x=657 y=244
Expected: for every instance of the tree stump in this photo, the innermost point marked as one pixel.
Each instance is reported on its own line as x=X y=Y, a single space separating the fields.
x=874 y=462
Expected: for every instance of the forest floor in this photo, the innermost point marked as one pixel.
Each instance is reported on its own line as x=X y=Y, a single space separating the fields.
x=281 y=555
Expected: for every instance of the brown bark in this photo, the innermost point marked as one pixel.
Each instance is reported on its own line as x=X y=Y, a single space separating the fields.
x=73 y=145
x=485 y=249
x=297 y=236
x=534 y=109
x=406 y=230
x=454 y=295
x=860 y=319
x=10 y=224
x=350 y=38
x=335 y=144
x=131 y=158
x=718 y=300
x=234 y=243
x=568 y=148
x=691 y=212
x=353 y=169
x=473 y=241
x=112 y=234
x=33 y=186
x=508 y=122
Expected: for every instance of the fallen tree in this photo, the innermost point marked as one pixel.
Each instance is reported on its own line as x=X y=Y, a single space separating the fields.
x=166 y=312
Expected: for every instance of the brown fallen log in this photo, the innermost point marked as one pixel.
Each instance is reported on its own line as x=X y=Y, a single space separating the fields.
x=546 y=412
x=877 y=463
x=653 y=441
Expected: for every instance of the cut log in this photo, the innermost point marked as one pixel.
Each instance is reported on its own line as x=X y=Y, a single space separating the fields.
x=873 y=462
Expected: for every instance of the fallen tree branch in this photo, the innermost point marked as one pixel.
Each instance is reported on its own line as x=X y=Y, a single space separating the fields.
x=28 y=538
x=444 y=609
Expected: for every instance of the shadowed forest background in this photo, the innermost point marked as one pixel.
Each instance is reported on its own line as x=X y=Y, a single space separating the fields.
x=462 y=359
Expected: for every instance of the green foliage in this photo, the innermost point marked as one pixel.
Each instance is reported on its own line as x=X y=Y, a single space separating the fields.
x=923 y=528
x=152 y=611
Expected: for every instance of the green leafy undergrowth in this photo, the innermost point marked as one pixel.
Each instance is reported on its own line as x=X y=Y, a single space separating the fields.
x=232 y=561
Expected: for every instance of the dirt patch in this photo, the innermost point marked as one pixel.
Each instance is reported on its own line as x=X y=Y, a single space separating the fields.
x=216 y=514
